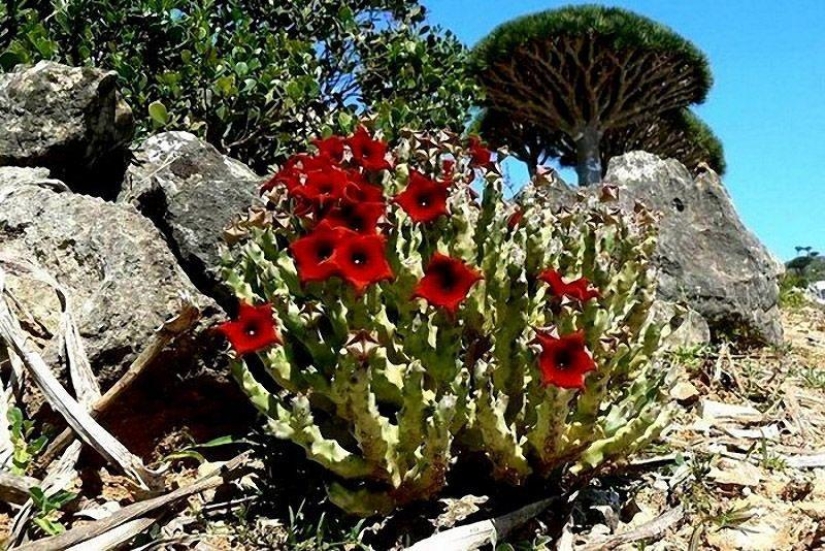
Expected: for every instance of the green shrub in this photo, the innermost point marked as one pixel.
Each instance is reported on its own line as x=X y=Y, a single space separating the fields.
x=792 y=290
x=417 y=322
x=255 y=78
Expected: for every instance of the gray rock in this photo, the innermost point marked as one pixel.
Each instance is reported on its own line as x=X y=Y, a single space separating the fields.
x=69 y=120
x=689 y=328
x=122 y=280
x=706 y=256
x=191 y=192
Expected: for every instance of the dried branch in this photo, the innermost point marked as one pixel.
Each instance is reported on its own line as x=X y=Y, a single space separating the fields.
x=475 y=535
x=650 y=530
x=60 y=400
x=14 y=488
x=136 y=510
x=171 y=329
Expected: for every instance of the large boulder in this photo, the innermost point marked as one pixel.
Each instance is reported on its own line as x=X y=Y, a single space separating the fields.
x=191 y=192
x=70 y=120
x=121 y=278
x=706 y=257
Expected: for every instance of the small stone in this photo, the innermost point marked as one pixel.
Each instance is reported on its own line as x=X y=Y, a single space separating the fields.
x=735 y=473
x=685 y=393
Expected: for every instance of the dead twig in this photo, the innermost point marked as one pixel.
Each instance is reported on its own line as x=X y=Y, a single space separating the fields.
x=14 y=488
x=75 y=414
x=170 y=330
x=475 y=535
x=116 y=536
x=136 y=510
x=650 y=530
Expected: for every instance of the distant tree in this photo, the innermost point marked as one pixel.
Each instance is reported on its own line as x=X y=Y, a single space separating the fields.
x=533 y=144
x=805 y=268
x=679 y=135
x=585 y=71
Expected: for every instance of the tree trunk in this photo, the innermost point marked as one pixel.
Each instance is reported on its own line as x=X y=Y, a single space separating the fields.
x=588 y=161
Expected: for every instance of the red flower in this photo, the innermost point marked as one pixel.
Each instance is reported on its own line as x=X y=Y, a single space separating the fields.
x=446 y=282
x=288 y=177
x=515 y=219
x=322 y=186
x=370 y=154
x=564 y=361
x=358 y=190
x=304 y=162
x=361 y=217
x=331 y=148
x=447 y=167
x=424 y=199
x=361 y=260
x=479 y=155
x=577 y=290
x=254 y=329
x=313 y=253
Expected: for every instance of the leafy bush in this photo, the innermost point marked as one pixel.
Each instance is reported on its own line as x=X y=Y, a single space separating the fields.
x=417 y=321
x=255 y=78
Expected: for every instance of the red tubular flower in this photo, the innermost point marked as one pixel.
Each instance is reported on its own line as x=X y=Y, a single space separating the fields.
x=424 y=199
x=360 y=217
x=370 y=154
x=515 y=219
x=359 y=190
x=254 y=329
x=304 y=162
x=447 y=167
x=289 y=177
x=331 y=148
x=313 y=253
x=479 y=155
x=361 y=260
x=322 y=187
x=446 y=282
x=565 y=361
x=579 y=289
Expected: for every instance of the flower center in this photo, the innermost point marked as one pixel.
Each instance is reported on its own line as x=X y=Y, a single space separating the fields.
x=424 y=201
x=324 y=251
x=250 y=330
x=358 y=258
x=563 y=359
x=447 y=278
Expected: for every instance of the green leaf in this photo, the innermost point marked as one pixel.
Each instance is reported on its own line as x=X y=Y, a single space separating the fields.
x=158 y=113
x=49 y=527
x=222 y=441
x=294 y=89
x=9 y=59
x=38 y=497
x=185 y=454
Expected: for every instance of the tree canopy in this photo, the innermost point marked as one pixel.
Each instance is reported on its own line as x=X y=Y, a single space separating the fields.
x=582 y=72
x=254 y=77
x=679 y=135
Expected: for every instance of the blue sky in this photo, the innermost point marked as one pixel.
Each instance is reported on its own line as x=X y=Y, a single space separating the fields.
x=767 y=104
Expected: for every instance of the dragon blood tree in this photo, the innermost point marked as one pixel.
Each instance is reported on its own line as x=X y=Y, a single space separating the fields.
x=580 y=72
x=678 y=134
x=401 y=318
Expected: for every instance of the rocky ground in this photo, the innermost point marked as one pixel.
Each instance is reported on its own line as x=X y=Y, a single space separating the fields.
x=742 y=467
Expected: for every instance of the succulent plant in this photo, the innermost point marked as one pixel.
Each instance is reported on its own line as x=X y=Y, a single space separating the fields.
x=413 y=318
